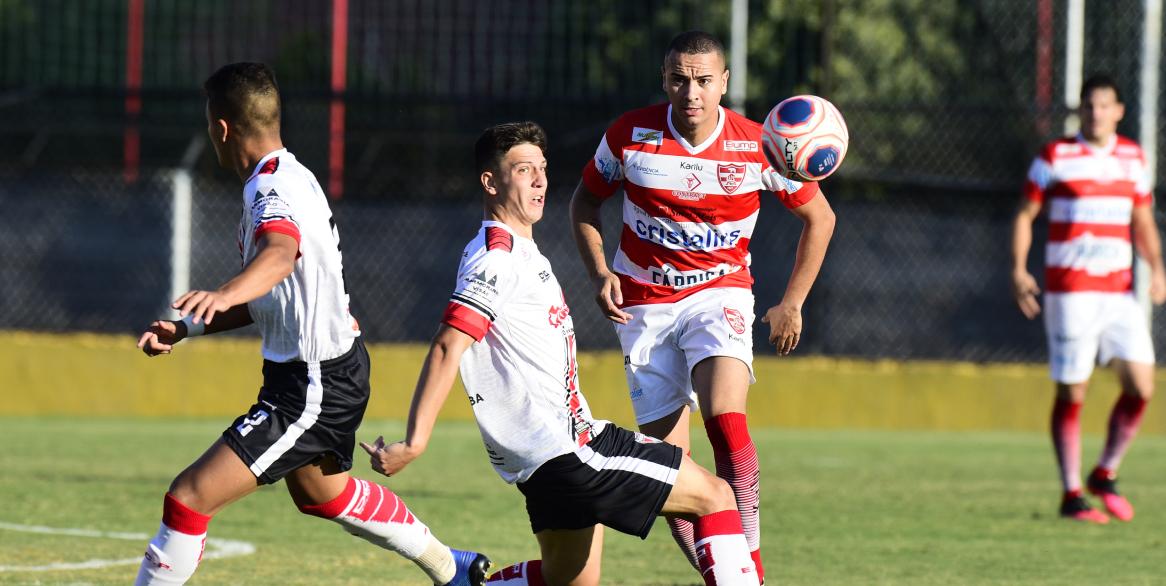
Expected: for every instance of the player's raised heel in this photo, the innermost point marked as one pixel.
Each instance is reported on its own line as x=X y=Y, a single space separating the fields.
x=472 y=568
x=1077 y=508
x=1104 y=486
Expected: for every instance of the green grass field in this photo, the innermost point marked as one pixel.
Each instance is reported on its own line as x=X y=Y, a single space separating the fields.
x=837 y=508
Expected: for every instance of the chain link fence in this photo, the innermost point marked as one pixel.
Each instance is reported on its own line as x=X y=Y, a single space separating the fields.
x=946 y=101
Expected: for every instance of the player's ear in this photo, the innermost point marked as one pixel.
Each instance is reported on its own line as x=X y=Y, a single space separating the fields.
x=725 y=81
x=487 y=179
x=222 y=130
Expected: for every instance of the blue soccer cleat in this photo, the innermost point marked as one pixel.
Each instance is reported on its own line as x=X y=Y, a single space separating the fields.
x=472 y=568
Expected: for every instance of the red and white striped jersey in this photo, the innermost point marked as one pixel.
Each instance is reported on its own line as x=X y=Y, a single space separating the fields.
x=689 y=210
x=1090 y=194
x=304 y=317
x=521 y=373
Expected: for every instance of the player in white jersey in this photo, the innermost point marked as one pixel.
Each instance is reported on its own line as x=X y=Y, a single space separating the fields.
x=1096 y=190
x=508 y=328
x=679 y=286
x=315 y=371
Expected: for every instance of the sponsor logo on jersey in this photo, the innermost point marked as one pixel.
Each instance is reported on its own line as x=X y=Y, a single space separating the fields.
x=688 y=195
x=691 y=181
x=711 y=239
x=557 y=314
x=690 y=166
x=668 y=276
x=645 y=439
x=730 y=176
x=740 y=146
x=544 y=276
x=647 y=135
x=735 y=319
x=637 y=166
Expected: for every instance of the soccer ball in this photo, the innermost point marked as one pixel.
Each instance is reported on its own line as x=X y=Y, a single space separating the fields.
x=805 y=138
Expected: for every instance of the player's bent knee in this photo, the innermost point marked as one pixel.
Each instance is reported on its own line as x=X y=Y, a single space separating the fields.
x=716 y=496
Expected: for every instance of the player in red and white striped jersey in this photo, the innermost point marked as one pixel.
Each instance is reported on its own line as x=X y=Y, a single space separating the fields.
x=1096 y=189
x=679 y=289
x=508 y=329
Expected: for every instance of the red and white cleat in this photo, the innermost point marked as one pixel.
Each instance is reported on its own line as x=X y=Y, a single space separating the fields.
x=1077 y=508
x=1104 y=485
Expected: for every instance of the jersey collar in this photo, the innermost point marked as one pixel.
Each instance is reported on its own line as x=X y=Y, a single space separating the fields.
x=1105 y=150
x=692 y=150
x=267 y=157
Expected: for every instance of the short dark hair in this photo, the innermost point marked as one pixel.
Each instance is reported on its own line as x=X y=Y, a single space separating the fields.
x=244 y=94
x=695 y=43
x=1098 y=82
x=497 y=140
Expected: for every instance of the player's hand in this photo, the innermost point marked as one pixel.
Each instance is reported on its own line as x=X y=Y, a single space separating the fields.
x=161 y=337
x=1024 y=291
x=388 y=459
x=1158 y=287
x=202 y=305
x=785 y=327
x=609 y=297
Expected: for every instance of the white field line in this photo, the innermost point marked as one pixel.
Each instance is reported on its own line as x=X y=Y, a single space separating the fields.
x=215 y=548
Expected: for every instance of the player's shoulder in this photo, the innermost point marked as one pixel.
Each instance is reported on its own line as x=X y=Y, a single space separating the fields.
x=493 y=246
x=645 y=124
x=281 y=173
x=738 y=122
x=1066 y=146
x=1127 y=147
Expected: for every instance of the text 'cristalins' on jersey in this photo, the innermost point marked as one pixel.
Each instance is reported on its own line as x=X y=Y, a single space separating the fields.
x=508 y=300
x=305 y=317
x=1089 y=194
x=689 y=211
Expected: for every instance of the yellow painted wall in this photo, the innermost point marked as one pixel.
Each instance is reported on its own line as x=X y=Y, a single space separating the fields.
x=104 y=375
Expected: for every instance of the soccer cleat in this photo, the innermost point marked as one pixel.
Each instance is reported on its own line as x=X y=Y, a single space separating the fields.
x=1077 y=508
x=1104 y=486
x=472 y=568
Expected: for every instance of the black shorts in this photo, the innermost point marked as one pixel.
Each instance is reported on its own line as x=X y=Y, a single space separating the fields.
x=619 y=479
x=305 y=410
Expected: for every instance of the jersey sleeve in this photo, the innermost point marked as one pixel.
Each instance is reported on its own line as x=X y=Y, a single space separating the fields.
x=1040 y=175
x=603 y=173
x=484 y=284
x=791 y=193
x=273 y=210
x=1142 y=195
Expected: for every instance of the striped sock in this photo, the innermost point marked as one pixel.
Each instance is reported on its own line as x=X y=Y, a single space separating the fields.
x=736 y=460
x=527 y=573
x=1066 y=431
x=1124 y=421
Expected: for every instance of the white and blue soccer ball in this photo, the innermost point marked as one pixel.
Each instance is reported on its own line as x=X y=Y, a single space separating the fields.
x=805 y=138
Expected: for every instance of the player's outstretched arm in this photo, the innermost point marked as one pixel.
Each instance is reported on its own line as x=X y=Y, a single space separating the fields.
x=588 y=229
x=1024 y=287
x=274 y=261
x=1149 y=246
x=437 y=376
x=785 y=318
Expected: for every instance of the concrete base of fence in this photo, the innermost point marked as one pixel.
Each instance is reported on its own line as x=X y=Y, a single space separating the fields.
x=105 y=375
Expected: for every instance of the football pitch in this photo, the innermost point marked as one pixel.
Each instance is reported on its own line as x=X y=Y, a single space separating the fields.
x=79 y=498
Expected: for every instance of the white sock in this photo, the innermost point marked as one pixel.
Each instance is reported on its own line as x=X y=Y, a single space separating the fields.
x=171 y=558
x=722 y=551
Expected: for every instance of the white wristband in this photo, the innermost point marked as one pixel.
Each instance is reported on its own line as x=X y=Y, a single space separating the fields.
x=193 y=329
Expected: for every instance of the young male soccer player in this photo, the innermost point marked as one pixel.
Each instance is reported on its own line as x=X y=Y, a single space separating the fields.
x=509 y=328
x=1096 y=188
x=679 y=289
x=315 y=370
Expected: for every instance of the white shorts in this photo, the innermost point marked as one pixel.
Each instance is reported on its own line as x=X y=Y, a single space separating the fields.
x=1090 y=328
x=664 y=341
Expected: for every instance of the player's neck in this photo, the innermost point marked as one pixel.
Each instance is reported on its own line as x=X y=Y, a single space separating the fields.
x=698 y=134
x=1097 y=142
x=520 y=228
x=251 y=152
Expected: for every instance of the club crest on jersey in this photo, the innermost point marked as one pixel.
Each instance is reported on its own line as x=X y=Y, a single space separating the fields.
x=735 y=319
x=730 y=176
x=740 y=146
x=557 y=314
x=647 y=135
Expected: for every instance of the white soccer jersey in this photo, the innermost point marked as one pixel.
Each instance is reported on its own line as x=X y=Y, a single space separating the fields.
x=521 y=373
x=305 y=317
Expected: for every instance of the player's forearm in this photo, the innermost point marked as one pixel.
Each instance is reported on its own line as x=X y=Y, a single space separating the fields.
x=231 y=319
x=811 y=253
x=588 y=230
x=1021 y=243
x=433 y=386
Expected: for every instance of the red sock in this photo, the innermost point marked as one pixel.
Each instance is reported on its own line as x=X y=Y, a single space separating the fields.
x=1066 y=432
x=1124 y=421
x=521 y=574
x=377 y=515
x=736 y=460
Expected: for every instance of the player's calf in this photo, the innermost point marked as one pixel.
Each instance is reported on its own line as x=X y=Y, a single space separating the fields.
x=377 y=515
